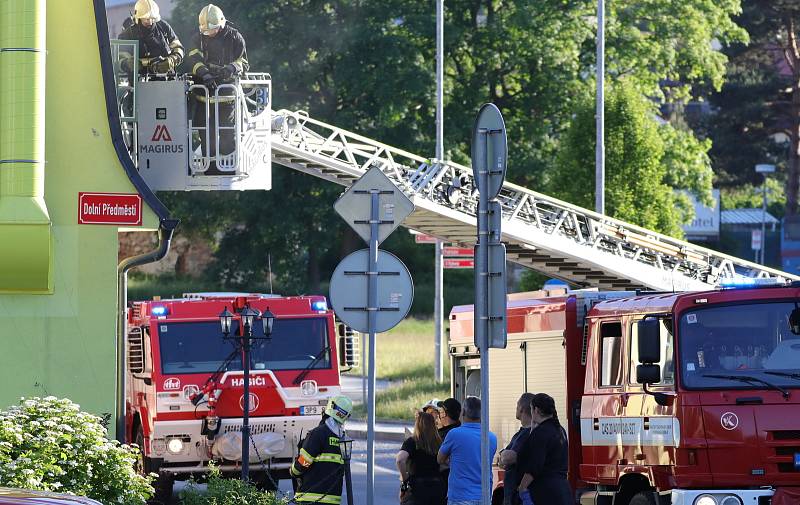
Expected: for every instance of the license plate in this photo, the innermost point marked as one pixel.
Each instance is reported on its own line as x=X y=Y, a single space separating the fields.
x=797 y=460
x=312 y=410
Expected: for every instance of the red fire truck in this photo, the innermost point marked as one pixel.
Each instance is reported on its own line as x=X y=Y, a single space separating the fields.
x=676 y=398
x=185 y=381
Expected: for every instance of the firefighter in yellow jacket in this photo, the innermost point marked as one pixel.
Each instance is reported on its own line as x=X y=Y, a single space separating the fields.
x=320 y=466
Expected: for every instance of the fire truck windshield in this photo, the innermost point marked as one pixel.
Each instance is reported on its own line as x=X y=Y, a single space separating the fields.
x=198 y=347
x=719 y=343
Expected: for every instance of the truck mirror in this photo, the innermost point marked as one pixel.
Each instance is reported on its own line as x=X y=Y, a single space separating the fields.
x=649 y=332
x=648 y=374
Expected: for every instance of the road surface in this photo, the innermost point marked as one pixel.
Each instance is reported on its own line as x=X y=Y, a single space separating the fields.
x=387 y=480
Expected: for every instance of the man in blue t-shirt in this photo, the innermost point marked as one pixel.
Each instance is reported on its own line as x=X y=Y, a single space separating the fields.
x=462 y=448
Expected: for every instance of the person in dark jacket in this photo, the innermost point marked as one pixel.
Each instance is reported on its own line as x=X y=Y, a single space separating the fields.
x=416 y=462
x=543 y=461
x=219 y=56
x=319 y=467
x=160 y=50
x=509 y=455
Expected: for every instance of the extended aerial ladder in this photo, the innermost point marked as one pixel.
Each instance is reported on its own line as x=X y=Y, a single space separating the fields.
x=540 y=232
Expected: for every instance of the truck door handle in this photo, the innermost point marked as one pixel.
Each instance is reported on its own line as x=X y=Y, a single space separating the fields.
x=596 y=424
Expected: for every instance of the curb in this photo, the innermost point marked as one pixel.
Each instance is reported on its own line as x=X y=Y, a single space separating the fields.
x=383 y=436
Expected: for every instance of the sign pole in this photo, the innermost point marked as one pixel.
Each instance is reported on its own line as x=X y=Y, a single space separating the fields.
x=481 y=294
x=489 y=153
x=372 y=308
x=438 y=303
x=377 y=311
x=600 y=153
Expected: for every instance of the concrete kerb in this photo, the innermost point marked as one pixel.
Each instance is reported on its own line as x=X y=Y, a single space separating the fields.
x=385 y=431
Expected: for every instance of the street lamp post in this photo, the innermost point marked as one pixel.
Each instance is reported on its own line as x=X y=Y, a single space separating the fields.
x=346 y=447
x=765 y=169
x=248 y=317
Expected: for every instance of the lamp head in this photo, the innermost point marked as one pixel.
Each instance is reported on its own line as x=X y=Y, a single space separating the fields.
x=249 y=315
x=268 y=320
x=225 y=319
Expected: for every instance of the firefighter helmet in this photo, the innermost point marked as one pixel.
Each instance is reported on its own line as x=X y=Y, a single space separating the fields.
x=339 y=408
x=146 y=9
x=211 y=18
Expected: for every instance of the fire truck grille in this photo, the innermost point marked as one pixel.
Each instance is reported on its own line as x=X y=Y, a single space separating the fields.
x=255 y=429
x=785 y=443
x=786 y=435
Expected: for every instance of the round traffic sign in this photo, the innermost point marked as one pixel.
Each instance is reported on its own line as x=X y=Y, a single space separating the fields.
x=489 y=150
x=348 y=291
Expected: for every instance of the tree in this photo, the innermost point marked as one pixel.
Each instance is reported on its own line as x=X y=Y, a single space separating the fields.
x=757 y=112
x=637 y=188
x=368 y=66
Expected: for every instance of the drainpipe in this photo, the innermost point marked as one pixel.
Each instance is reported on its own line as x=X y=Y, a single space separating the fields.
x=26 y=245
x=165 y=231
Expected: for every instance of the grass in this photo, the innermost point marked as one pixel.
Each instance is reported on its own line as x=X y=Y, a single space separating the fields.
x=405 y=357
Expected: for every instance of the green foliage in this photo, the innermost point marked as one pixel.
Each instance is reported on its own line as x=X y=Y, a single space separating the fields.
x=652 y=41
x=222 y=491
x=758 y=101
x=749 y=196
x=405 y=357
x=48 y=444
x=532 y=280
x=638 y=174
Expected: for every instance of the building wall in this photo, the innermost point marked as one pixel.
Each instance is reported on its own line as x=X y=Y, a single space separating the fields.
x=63 y=344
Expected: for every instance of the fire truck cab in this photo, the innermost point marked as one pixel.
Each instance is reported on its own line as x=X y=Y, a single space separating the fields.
x=184 y=388
x=676 y=398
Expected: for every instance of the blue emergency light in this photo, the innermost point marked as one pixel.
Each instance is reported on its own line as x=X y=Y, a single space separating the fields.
x=749 y=282
x=159 y=310
x=320 y=305
x=797 y=461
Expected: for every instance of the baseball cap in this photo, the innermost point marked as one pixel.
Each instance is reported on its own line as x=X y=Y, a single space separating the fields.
x=432 y=404
x=452 y=407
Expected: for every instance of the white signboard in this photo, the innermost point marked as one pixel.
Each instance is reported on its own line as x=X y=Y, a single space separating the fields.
x=705 y=224
x=755 y=240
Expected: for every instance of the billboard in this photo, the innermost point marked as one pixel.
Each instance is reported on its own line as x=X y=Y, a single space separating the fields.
x=705 y=225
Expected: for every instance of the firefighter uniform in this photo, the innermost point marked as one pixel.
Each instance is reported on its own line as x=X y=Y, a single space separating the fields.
x=320 y=465
x=160 y=50
x=218 y=57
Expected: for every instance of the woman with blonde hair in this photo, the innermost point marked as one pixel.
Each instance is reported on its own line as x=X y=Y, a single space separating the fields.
x=419 y=470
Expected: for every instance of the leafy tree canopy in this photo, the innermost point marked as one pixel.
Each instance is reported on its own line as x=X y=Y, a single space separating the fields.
x=639 y=177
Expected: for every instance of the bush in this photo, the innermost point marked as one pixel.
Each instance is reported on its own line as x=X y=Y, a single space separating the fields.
x=222 y=491
x=48 y=444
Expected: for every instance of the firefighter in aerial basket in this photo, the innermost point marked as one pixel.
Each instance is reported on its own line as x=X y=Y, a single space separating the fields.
x=319 y=468
x=219 y=56
x=160 y=50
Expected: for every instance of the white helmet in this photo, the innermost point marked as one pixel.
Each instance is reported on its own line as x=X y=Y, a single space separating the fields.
x=146 y=9
x=211 y=17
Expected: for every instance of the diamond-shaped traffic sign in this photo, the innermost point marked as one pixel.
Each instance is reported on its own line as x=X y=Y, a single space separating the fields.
x=355 y=205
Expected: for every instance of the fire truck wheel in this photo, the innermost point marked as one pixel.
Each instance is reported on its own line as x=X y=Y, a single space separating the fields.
x=146 y=465
x=643 y=498
x=163 y=488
